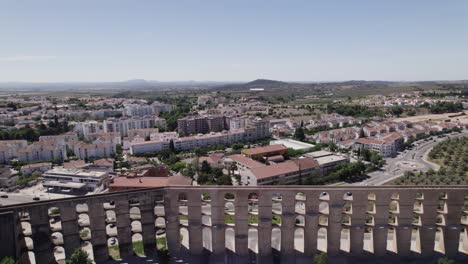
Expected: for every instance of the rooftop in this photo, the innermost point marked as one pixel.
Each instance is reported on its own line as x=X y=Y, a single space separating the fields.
x=294 y=144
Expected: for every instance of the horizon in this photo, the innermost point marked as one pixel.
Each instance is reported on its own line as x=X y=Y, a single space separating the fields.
x=216 y=41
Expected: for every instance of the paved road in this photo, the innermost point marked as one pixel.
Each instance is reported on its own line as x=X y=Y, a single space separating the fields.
x=409 y=160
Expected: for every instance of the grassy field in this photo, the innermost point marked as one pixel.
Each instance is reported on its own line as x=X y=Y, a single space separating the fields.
x=452 y=156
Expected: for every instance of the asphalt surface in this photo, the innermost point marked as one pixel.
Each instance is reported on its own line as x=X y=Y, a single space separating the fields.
x=409 y=160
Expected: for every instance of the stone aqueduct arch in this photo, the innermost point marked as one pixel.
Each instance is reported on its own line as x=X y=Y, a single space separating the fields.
x=352 y=221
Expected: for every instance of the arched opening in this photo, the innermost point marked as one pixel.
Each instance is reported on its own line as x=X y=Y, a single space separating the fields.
x=83 y=220
x=82 y=208
x=206 y=204
x=440 y=220
x=392 y=240
x=464 y=220
x=324 y=196
x=322 y=239
x=345 y=240
x=32 y=257
x=29 y=243
x=419 y=196
x=394 y=207
x=393 y=220
x=439 y=243
x=300 y=196
x=299 y=207
x=57 y=238
x=159 y=199
x=87 y=247
x=346 y=220
x=55 y=221
x=184 y=238
x=416 y=219
x=418 y=207
x=323 y=208
x=253 y=240
x=253 y=209
x=368 y=244
x=230 y=241
x=59 y=254
x=299 y=240
x=229 y=197
x=415 y=245
x=442 y=207
x=159 y=210
x=135 y=213
x=26 y=227
x=113 y=247
x=348 y=196
x=370 y=207
x=111 y=229
x=206 y=220
x=347 y=208
x=111 y=216
x=183 y=210
x=323 y=220
x=300 y=220
x=160 y=222
x=370 y=221
x=161 y=241
x=207 y=239
x=137 y=244
x=276 y=239
x=85 y=233
x=463 y=245
x=109 y=205
x=229 y=214
x=136 y=226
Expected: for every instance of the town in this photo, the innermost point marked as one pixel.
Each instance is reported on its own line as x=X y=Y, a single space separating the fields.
x=55 y=147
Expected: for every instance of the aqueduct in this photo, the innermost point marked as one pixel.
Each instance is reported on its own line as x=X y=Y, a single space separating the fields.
x=236 y=224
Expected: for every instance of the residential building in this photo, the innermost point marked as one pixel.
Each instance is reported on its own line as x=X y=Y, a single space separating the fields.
x=139 y=110
x=124 y=124
x=87 y=127
x=387 y=145
x=201 y=124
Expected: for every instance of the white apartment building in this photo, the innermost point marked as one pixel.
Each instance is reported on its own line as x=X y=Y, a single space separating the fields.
x=149 y=146
x=87 y=127
x=84 y=150
x=138 y=110
x=167 y=136
x=37 y=151
x=159 y=107
x=199 y=141
x=124 y=124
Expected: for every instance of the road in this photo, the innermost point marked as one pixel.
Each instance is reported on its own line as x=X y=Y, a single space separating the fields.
x=409 y=160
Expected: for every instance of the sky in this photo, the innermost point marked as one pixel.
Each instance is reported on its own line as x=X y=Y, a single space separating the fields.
x=217 y=40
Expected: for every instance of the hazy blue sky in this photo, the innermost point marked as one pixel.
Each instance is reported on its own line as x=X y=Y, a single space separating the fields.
x=111 y=40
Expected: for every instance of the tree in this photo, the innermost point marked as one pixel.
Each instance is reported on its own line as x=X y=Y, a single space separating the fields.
x=321 y=258
x=79 y=257
x=171 y=145
x=299 y=134
x=205 y=167
x=7 y=260
x=445 y=260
